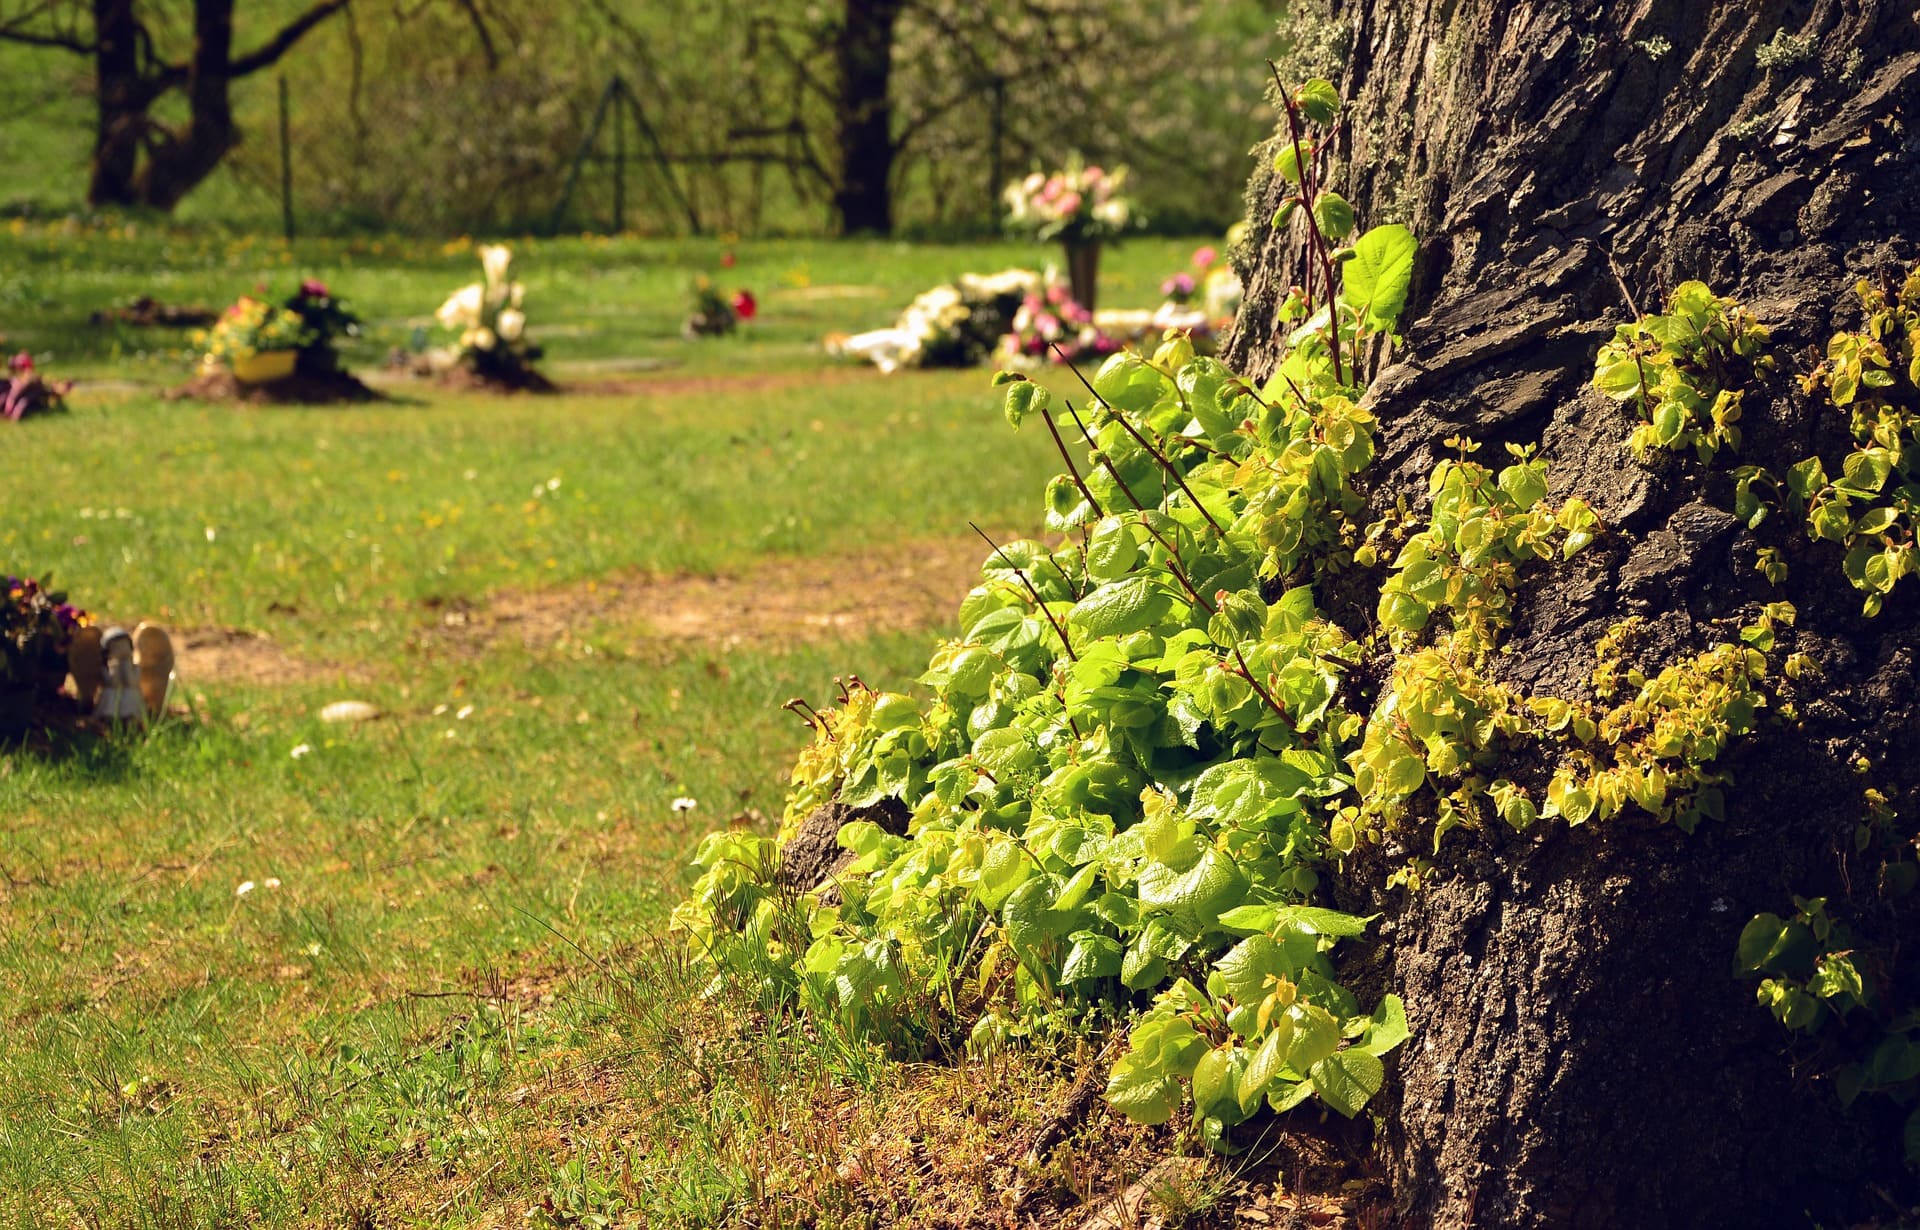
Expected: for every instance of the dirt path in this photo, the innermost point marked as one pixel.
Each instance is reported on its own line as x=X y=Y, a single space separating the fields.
x=896 y=587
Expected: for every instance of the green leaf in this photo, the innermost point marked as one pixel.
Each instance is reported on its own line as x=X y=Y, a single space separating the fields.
x=1312 y=1034
x=1771 y=943
x=1196 y=896
x=1380 y=275
x=1346 y=1080
x=1249 y=965
x=1023 y=398
x=1112 y=551
x=1092 y=956
x=1322 y=921
x=1127 y=382
x=1388 y=1027
x=1120 y=607
x=1333 y=215
x=1141 y=1091
x=1318 y=100
x=1287 y=161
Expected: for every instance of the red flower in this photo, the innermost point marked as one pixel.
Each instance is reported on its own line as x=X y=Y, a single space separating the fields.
x=743 y=305
x=21 y=363
x=726 y=260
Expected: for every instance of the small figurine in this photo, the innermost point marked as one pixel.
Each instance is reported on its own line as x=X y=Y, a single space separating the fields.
x=120 y=699
x=132 y=671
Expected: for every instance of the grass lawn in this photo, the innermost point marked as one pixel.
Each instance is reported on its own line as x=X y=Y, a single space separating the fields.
x=443 y=999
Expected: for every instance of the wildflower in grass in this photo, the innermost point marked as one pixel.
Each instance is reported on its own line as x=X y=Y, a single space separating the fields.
x=683 y=803
x=1204 y=256
x=302 y=750
x=744 y=305
x=245 y=887
x=1178 y=288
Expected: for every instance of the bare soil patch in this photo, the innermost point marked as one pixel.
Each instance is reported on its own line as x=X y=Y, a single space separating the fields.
x=896 y=587
x=235 y=655
x=299 y=389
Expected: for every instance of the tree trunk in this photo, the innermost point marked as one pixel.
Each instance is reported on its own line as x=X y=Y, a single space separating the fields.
x=1582 y=1055
x=122 y=101
x=864 y=198
x=178 y=162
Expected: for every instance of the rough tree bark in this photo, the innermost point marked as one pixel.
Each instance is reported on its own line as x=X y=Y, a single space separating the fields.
x=863 y=116
x=1581 y=1055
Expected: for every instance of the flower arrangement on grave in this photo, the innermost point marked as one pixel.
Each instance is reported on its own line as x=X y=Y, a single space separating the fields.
x=955 y=324
x=257 y=340
x=26 y=392
x=1080 y=207
x=328 y=320
x=1078 y=204
x=711 y=312
x=489 y=320
x=37 y=624
x=1051 y=326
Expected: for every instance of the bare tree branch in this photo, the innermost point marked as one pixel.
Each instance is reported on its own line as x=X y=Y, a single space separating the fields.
x=269 y=53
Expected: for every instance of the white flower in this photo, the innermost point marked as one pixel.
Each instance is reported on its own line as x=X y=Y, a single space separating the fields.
x=515 y=294
x=465 y=712
x=495 y=259
x=246 y=886
x=462 y=308
x=304 y=749
x=683 y=803
x=478 y=339
x=511 y=323
x=1111 y=213
x=271 y=882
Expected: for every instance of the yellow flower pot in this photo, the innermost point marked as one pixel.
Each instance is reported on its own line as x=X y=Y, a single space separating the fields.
x=265 y=367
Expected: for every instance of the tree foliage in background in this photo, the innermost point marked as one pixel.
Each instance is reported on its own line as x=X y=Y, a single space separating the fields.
x=456 y=116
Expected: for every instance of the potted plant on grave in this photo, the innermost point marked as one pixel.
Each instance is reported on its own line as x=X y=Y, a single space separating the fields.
x=257 y=341
x=36 y=627
x=327 y=319
x=1079 y=206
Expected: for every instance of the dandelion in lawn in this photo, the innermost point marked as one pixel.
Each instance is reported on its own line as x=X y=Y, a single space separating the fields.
x=683 y=803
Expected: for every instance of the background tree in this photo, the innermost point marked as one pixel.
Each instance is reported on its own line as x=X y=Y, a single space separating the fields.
x=132 y=76
x=1581 y=1054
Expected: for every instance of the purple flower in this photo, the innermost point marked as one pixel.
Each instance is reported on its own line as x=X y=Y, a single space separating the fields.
x=1179 y=287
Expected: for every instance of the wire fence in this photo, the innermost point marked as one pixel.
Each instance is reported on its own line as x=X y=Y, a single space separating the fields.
x=503 y=154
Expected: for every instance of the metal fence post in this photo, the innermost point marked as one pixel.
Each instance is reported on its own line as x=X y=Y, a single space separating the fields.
x=286 y=164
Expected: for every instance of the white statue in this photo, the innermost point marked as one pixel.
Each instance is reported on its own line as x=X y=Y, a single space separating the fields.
x=134 y=671
x=120 y=699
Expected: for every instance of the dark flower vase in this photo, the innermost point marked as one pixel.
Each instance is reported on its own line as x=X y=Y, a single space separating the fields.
x=1083 y=272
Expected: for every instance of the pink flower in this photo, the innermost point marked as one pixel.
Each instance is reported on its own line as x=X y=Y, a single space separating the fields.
x=1204 y=257
x=1092 y=175
x=1054 y=188
x=1047 y=325
x=1070 y=203
x=20 y=364
x=1056 y=293
x=314 y=288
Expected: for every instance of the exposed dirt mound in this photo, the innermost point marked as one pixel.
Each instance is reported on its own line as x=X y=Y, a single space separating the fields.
x=895 y=587
x=148 y=312
x=234 y=655
x=525 y=380
x=299 y=389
